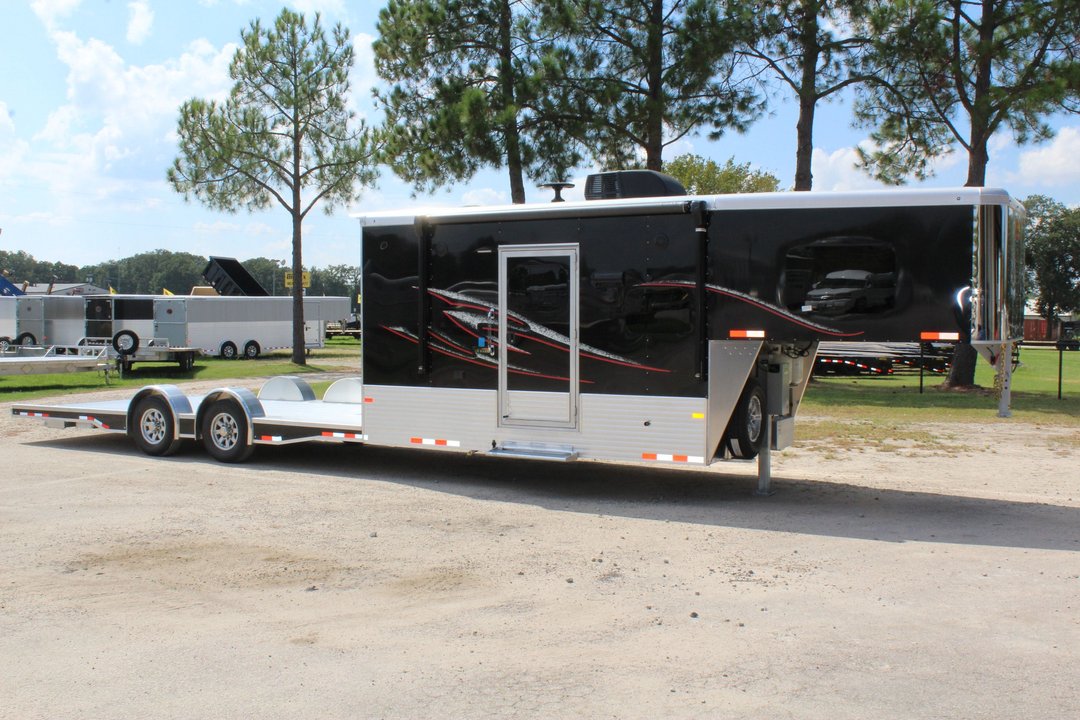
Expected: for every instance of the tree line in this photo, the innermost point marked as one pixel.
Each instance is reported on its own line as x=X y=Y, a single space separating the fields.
x=152 y=273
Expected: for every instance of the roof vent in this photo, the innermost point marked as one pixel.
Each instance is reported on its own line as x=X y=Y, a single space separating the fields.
x=631 y=184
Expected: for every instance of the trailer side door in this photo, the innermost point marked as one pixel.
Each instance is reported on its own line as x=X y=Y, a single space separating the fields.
x=537 y=316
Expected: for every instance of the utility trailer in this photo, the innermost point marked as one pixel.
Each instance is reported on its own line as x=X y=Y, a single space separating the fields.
x=658 y=330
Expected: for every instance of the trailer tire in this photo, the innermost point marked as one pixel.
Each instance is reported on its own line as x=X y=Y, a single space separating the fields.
x=125 y=342
x=154 y=427
x=26 y=339
x=225 y=432
x=228 y=350
x=5 y=343
x=186 y=361
x=743 y=436
x=252 y=350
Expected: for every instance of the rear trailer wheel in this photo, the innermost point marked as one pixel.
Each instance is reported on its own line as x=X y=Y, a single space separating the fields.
x=225 y=432
x=5 y=343
x=252 y=350
x=743 y=435
x=26 y=339
x=154 y=429
x=228 y=350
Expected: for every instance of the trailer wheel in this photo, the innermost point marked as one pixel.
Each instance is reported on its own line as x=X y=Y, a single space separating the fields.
x=252 y=350
x=26 y=339
x=225 y=432
x=228 y=350
x=5 y=343
x=743 y=436
x=154 y=430
x=186 y=361
x=125 y=342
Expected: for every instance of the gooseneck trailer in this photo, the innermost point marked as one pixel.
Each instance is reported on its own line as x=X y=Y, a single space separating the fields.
x=667 y=329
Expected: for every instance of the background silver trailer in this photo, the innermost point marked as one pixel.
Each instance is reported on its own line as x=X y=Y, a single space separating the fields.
x=41 y=320
x=233 y=326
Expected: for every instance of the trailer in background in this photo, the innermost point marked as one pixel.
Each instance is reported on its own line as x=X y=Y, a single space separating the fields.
x=43 y=320
x=144 y=327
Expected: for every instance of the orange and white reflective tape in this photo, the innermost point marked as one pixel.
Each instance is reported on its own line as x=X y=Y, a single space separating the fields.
x=663 y=457
x=939 y=336
x=344 y=435
x=435 y=441
x=93 y=421
x=270 y=438
x=33 y=414
x=747 y=334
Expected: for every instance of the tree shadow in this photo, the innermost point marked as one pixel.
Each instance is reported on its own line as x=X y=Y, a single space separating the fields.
x=722 y=498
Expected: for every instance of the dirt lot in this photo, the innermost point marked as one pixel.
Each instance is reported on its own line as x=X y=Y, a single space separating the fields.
x=938 y=581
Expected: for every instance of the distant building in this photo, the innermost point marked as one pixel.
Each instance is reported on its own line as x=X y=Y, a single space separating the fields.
x=1035 y=325
x=62 y=289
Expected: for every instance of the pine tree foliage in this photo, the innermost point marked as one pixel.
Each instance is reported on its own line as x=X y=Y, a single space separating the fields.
x=474 y=84
x=284 y=136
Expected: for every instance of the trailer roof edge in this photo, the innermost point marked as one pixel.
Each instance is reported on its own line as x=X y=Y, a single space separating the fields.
x=901 y=197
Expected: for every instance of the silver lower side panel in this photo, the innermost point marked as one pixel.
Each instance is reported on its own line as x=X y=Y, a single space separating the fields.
x=610 y=427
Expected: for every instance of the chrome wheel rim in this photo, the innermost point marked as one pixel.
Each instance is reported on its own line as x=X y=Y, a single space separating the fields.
x=224 y=431
x=754 y=417
x=152 y=425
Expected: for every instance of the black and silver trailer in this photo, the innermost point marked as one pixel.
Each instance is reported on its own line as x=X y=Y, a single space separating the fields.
x=662 y=329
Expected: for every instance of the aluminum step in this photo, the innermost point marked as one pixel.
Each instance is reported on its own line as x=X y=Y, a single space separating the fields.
x=535 y=451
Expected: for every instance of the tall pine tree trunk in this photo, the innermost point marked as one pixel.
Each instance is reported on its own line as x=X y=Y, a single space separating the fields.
x=804 y=149
x=654 y=104
x=511 y=131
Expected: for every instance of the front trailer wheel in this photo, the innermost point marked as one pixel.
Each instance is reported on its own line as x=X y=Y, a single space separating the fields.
x=225 y=432
x=154 y=429
x=743 y=436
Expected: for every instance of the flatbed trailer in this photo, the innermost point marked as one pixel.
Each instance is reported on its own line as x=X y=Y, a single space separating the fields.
x=232 y=421
x=659 y=330
x=21 y=360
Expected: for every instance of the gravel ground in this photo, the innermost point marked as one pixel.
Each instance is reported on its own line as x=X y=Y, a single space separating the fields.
x=350 y=582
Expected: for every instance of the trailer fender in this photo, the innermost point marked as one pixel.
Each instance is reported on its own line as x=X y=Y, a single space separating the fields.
x=286 y=387
x=245 y=399
x=175 y=403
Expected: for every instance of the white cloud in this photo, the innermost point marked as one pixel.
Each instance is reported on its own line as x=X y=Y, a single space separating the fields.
x=837 y=170
x=140 y=21
x=484 y=196
x=1053 y=164
x=362 y=76
x=52 y=11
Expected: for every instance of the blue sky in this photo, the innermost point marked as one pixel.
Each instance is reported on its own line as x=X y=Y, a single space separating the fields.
x=89 y=91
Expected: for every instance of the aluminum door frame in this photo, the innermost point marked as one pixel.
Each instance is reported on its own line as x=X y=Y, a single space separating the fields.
x=506 y=252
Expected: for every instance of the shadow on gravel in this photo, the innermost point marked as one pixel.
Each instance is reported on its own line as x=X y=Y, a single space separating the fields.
x=706 y=497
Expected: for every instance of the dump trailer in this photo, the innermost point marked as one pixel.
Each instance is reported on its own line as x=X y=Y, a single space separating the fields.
x=658 y=329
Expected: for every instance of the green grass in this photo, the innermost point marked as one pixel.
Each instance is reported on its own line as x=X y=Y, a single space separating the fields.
x=837 y=407
x=897 y=398
x=339 y=355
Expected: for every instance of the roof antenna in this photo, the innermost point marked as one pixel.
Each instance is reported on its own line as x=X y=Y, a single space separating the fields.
x=558 y=186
